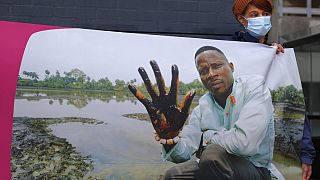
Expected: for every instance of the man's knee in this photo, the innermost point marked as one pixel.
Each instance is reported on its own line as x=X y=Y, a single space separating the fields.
x=213 y=163
x=213 y=152
x=187 y=170
x=171 y=173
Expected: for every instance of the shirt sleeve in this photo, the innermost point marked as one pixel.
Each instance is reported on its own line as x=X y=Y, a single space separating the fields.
x=245 y=137
x=188 y=143
x=308 y=151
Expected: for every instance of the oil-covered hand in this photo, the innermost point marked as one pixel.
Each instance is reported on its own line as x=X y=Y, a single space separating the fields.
x=167 y=116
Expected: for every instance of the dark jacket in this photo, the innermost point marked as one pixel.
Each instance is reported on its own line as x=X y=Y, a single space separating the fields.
x=308 y=151
x=244 y=36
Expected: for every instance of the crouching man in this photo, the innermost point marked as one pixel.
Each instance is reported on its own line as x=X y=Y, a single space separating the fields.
x=232 y=128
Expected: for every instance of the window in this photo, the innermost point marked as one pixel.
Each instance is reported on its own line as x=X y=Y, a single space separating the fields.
x=315 y=4
x=295 y=3
x=307 y=8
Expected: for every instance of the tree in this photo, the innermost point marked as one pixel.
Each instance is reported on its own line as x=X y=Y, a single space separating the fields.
x=88 y=79
x=47 y=72
x=104 y=84
x=26 y=73
x=33 y=75
x=182 y=88
x=288 y=94
x=58 y=74
x=120 y=85
x=133 y=81
x=75 y=78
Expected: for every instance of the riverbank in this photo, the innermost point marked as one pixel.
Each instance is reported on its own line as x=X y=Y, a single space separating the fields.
x=138 y=116
x=37 y=154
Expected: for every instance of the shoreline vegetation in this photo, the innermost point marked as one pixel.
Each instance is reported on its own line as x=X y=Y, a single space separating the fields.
x=288 y=98
x=138 y=116
x=76 y=79
x=80 y=98
x=37 y=154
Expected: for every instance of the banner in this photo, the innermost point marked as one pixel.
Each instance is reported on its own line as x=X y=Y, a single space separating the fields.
x=74 y=116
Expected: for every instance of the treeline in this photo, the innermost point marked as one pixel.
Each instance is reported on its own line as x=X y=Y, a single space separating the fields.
x=77 y=79
x=288 y=94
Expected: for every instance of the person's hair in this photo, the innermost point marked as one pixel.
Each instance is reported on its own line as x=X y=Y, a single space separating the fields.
x=260 y=4
x=240 y=6
x=208 y=48
x=265 y=5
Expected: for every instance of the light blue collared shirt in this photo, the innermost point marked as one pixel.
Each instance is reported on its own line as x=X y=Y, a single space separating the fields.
x=245 y=127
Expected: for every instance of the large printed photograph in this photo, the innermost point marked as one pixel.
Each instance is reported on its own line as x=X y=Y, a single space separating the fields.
x=74 y=116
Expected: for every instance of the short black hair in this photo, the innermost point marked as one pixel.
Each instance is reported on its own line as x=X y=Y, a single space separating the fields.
x=207 y=48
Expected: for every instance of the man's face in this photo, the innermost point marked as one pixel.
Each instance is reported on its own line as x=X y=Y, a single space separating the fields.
x=215 y=72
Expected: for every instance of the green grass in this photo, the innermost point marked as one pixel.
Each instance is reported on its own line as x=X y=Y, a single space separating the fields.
x=289 y=115
x=279 y=158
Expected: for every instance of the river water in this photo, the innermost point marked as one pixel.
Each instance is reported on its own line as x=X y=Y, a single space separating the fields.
x=121 y=147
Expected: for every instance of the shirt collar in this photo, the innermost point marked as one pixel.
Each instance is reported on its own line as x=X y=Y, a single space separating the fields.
x=231 y=96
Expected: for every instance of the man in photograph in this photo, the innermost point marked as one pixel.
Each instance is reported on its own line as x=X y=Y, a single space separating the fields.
x=232 y=128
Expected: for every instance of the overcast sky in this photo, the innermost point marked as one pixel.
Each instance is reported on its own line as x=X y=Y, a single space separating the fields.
x=118 y=55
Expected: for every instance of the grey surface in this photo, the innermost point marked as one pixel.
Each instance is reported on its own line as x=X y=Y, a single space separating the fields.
x=205 y=18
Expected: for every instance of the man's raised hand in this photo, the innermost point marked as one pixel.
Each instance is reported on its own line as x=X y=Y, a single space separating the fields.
x=167 y=116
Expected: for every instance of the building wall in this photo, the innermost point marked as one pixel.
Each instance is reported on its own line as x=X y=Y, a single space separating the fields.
x=195 y=18
x=292 y=27
x=309 y=64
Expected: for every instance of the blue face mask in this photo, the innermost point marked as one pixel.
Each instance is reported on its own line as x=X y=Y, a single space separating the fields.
x=259 y=26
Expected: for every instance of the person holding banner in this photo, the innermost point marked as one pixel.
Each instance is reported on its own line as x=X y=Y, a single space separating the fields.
x=232 y=128
x=255 y=16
